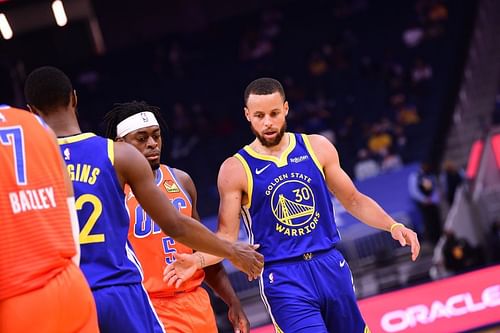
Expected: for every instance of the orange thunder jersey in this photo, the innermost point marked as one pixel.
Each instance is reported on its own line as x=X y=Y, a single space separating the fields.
x=37 y=241
x=152 y=246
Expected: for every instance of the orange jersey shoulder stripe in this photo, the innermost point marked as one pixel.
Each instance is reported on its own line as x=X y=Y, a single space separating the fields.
x=152 y=246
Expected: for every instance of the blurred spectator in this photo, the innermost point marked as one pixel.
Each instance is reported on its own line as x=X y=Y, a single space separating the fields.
x=423 y=188
x=379 y=140
x=184 y=138
x=438 y=12
x=258 y=42
x=421 y=74
x=407 y=114
x=317 y=64
x=202 y=122
x=413 y=35
x=317 y=117
x=366 y=166
x=397 y=98
x=400 y=139
x=390 y=160
x=263 y=47
x=271 y=22
x=346 y=129
x=329 y=134
x=458 y=254
x=451 y=178
x=421 y=71
x=436 y=17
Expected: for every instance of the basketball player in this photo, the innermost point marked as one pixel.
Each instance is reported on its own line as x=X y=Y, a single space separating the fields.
x=38 y=252
x=99 y=169
x=281 y=182
x=185 y=309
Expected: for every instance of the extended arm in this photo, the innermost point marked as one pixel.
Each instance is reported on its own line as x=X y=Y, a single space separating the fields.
x=215 y=275
x=359 y=205
x=133 y=168
x=232 y=184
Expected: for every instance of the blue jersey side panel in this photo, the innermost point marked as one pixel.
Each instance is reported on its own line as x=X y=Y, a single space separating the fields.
x=290 y=208
x=106 y=256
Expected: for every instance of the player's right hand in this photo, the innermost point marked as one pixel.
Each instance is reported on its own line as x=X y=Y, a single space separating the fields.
x=184 y=266
x=247 y=260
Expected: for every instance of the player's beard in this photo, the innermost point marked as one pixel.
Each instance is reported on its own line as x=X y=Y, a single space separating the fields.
x=273 y=142
x=155 y=168
x=155 y=165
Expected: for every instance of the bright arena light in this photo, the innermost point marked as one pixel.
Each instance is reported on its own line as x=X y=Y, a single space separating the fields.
x=5 y=27
x=59 y=13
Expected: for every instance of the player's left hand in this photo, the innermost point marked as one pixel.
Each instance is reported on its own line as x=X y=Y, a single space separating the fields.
x=406 y=236
x=238 y=318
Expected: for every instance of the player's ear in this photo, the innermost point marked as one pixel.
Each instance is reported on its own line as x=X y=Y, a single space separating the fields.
x=285 y=107
x=247 y=113
x=74 y=98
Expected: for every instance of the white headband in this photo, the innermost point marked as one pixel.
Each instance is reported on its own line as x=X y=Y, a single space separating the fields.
x=135 y=122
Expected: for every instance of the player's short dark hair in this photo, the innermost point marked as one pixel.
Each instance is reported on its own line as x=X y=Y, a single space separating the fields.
x=47 y=87
x=264 y=86
x=121 y=111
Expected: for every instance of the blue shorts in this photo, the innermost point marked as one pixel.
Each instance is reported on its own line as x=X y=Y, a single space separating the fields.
x=313 y=293
x=126 y=309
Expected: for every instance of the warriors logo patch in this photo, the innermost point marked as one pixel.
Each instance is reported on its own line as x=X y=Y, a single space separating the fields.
x=293 y=203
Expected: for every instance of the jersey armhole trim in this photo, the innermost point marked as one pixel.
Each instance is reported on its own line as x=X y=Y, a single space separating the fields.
x=111 y=151
x=249 y=179
x=313 y=155
x=178 y=182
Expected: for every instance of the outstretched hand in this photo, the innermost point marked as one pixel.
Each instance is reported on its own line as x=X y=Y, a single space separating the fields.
x=247 y=260
x=406 y=236
x=184 y=266
x=244 y=258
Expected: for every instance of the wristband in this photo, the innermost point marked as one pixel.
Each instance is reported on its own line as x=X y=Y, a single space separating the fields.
x=396 y=225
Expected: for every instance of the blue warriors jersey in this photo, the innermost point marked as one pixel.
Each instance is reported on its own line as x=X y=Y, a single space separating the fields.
x=289 y=210
x=106 y=256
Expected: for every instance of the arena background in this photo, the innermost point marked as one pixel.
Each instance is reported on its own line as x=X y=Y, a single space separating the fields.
x=396 y=85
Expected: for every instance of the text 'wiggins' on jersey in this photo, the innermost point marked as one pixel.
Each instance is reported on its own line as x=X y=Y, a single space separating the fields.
x=289 y=206
x=106 y=257
x=37 y=242
x=153 y=247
